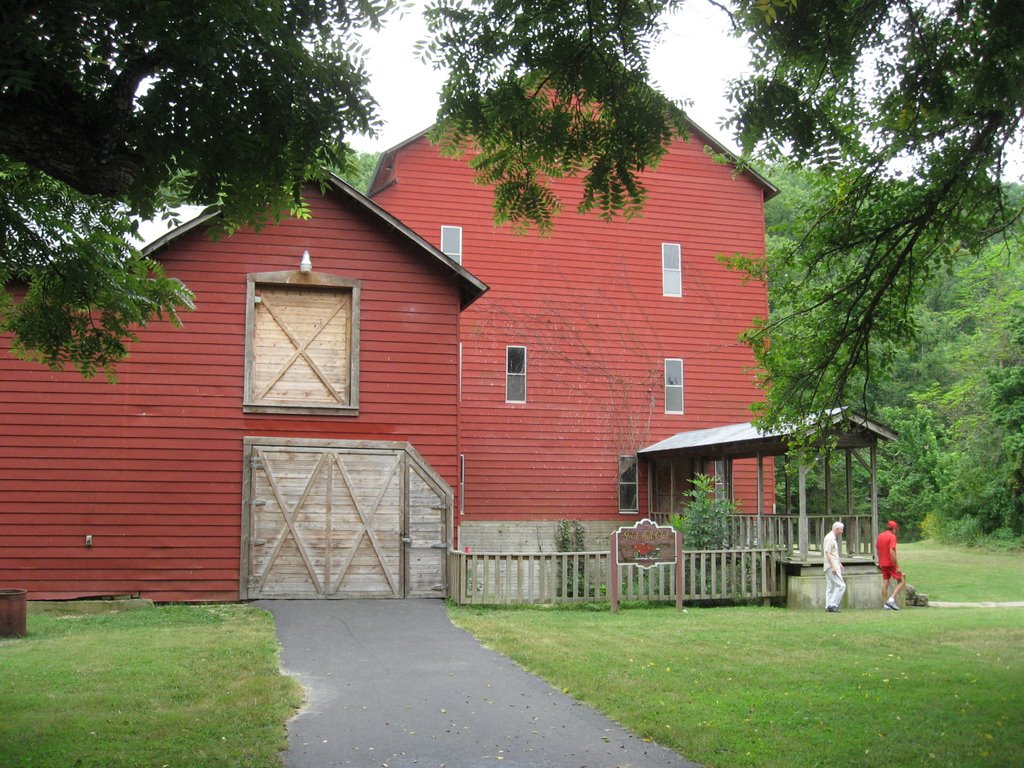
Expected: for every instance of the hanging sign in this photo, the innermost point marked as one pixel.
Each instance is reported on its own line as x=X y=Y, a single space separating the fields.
x=645 y=545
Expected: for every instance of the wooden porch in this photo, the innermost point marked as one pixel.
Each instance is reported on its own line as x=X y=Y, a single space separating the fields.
x=768 y=551
x=754 y=569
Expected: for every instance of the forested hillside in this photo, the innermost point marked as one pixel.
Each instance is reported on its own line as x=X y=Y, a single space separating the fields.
x=956 y=396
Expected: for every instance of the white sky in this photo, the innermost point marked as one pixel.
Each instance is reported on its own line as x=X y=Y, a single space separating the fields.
x=694 y=60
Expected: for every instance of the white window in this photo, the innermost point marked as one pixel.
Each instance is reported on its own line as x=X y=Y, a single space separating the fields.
x=627 y=484
x=515 y=374
x=451 y=242
x=671 y=269
x=673 y=385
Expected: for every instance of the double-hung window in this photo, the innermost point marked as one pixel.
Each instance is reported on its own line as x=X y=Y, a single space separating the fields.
x=673 y=385
x=451 y=242
x=627 y=484
x=515 y=374
x=671 y=269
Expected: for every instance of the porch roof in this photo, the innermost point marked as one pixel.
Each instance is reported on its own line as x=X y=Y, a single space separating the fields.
x=747 y=440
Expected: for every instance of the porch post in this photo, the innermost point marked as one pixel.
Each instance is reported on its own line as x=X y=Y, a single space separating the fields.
x=828 y=484
x=760 y=500
x=849 y=504
x=803 y=510
x=874 y=494
x=849 y=481
x=787 y=507
x=730 y=489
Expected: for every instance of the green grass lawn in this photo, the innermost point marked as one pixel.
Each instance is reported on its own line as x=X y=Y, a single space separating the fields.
x=771 y=687
x=961 y=574
x=174 y=686
x=199 y=686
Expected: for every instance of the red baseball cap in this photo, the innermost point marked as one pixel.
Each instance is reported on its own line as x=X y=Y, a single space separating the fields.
x=892 y=524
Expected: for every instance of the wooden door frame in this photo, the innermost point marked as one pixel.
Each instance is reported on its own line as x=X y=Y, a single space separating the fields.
x=409 y=456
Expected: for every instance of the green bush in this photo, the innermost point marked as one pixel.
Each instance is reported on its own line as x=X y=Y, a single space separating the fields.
x=706 y=522
x=570 y=536
x=964 y=530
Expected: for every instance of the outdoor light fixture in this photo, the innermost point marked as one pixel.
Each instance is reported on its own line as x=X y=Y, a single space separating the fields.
x=306 y=265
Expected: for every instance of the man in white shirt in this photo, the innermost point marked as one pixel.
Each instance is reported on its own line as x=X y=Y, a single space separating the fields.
x=835 y=586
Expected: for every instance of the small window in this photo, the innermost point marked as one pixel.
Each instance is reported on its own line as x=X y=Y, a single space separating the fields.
x=627 y=484
x=451 y=242
x=671 y=269
x=673 y=385
x=515 y=374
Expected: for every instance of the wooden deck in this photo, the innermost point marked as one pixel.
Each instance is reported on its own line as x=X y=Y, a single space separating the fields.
x=753 y=570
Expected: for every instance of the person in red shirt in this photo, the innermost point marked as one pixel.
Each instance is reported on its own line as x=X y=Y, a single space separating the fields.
x=885 y=551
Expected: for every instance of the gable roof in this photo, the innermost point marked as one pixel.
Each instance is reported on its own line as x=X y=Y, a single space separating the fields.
x=382 y=178
x=470 y=287
x=748 y=440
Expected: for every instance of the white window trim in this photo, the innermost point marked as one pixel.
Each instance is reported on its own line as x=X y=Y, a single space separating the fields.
x=523 y=374
x=636 y=485
x=675 y=273
x=451 y=230
x=679 y=386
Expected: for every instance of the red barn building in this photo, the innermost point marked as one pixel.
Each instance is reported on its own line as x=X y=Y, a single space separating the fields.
x=328 y=432
x=593 y=342
x=296 y=438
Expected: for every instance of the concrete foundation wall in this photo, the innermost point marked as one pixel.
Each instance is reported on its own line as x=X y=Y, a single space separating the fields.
x=531 y=535
x=806 y=587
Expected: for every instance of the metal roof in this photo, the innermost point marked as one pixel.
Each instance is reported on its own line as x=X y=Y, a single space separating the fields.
x=713 y=436
x=734 y=438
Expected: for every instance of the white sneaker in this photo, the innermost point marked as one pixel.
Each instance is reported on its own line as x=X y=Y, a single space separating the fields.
x=891 y=605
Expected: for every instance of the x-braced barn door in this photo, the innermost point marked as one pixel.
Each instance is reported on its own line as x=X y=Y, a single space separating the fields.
x=342 y=520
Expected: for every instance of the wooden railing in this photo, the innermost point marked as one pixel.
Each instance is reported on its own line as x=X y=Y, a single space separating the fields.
x=750 y=531
x=481 y=578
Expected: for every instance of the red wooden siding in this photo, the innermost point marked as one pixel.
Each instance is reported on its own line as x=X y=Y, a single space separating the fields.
x=587 y=303
x=151 y=467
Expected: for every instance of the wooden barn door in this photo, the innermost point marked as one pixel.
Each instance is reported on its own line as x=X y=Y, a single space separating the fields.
x=426 y=543
x=337 y=520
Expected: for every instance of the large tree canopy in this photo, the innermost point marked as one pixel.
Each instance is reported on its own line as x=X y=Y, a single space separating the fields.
x=907 y=109
x=111 y=109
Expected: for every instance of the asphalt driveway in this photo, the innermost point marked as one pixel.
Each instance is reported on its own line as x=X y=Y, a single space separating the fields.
x=394 y=683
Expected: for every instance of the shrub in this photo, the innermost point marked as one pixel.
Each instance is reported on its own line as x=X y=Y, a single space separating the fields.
x=570 y=536
x=965 y=530
x=706 y=522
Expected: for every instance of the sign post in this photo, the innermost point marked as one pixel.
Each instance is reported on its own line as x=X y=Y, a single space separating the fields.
x=645 y=545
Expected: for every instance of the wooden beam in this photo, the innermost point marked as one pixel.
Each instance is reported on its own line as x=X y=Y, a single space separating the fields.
x=803 y=511
x=828 y=483
x=760 y=500
x=849 y=483
x=874 y=495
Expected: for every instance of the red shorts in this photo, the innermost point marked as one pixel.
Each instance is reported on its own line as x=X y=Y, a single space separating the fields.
x=891 y=572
